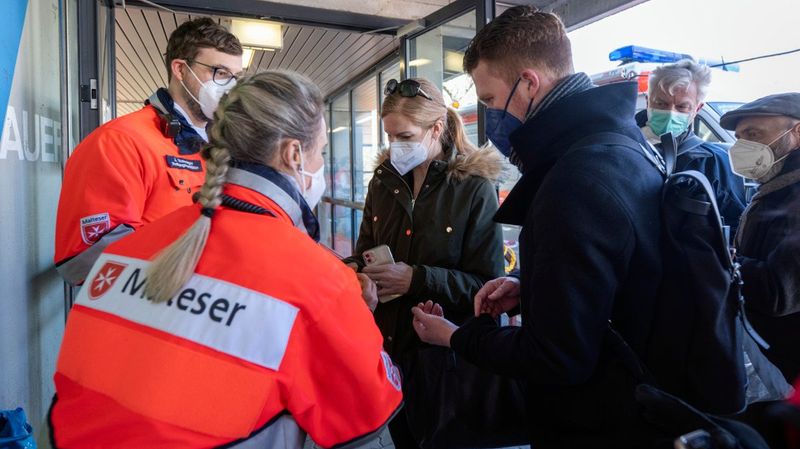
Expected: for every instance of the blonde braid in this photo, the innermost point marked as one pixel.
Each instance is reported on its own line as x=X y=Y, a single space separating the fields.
x=175 y=264
x=249 y=125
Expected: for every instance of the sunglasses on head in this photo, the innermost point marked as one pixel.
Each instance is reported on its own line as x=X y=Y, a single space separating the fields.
x=407 y=88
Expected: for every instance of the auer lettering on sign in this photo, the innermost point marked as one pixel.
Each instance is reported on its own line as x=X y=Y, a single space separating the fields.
x=30 y=140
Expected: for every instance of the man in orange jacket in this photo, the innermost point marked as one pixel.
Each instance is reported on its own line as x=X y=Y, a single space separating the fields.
x=139 y=167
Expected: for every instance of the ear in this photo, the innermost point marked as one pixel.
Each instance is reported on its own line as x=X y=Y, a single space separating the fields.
x=438 y=129
x=289 y=154
x=175 y=67
x=796 y=127
x=530 y=81
x=796 y=131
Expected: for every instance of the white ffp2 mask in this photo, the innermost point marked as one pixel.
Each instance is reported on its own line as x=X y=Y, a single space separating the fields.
x=210 y=94
x=313 y=194
x=405 y=156
x=753 y=160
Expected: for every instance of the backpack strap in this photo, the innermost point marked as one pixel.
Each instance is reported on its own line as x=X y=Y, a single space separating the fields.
x=613 y=138
x=670 y=149
x=698 y=207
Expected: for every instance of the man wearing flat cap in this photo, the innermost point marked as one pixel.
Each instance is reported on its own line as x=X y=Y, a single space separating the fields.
x=768 y=239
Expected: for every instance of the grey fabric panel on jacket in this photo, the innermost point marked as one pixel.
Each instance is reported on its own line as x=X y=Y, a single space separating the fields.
x=77 y=268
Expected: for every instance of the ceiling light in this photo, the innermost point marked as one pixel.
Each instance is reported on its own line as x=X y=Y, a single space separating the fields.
x=258 y=34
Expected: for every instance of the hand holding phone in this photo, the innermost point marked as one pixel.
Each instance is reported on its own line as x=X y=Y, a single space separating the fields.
x=382 y=267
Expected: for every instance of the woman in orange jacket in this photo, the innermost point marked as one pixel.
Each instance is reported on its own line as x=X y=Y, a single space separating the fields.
x=225 y=323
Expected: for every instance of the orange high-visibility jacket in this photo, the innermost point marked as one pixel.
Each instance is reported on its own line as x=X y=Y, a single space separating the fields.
x=268 y=339
x=123 y=175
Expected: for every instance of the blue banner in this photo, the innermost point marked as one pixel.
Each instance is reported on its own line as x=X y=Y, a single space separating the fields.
x=11 y=22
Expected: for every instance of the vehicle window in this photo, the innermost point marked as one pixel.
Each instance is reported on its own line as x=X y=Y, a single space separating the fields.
x=724 y=106
x=704 y=131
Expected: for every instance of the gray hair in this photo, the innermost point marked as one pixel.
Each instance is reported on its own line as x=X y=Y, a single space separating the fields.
x=249 y=125
x=680 y=75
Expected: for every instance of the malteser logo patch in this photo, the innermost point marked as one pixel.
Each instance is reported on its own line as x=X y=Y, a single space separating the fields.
x=105 y=278
x=392 y=373
x=94 y=227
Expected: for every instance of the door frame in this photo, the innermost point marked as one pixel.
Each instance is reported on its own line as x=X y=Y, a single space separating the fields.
x=484 y=13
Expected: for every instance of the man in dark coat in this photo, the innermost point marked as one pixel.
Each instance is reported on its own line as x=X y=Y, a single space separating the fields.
x=768 y=241
x=588 y=202
x=675 y=96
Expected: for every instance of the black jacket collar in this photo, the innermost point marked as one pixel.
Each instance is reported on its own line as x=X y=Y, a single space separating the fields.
x=549 y=134
x=187 y=140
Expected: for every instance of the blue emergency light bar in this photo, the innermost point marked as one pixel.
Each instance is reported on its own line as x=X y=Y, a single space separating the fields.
x=635 y=53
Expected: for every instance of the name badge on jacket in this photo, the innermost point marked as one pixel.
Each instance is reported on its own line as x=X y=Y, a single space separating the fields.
x=184 y=164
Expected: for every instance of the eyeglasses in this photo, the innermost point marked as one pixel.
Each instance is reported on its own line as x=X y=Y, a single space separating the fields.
x=220 y=75
x=407 y=88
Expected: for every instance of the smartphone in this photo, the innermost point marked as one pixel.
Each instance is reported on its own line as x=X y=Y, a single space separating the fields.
x=380 y=255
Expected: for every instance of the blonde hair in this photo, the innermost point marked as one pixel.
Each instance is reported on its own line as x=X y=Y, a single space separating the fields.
x=250 y=124
x=425 y=113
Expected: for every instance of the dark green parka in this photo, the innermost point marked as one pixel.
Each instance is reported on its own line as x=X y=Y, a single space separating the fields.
x=447 y=235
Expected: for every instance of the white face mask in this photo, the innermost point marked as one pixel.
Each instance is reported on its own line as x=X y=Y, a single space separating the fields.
x=405 y=156
x=210 y=94
x=753 y=160
x=314 y=193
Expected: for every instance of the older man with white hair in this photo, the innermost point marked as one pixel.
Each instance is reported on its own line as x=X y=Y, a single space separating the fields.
x=675 y=97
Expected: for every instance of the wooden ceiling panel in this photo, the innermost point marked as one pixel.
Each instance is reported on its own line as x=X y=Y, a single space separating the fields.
x=328 y=57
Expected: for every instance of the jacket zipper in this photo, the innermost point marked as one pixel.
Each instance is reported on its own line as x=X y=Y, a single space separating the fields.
x=410 y=191
x=413 y=200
